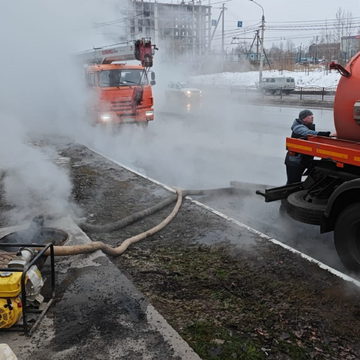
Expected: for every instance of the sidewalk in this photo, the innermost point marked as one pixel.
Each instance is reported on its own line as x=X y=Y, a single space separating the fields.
x=98 y=314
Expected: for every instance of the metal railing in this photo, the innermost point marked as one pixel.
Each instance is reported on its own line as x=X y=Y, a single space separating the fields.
x=321 y=92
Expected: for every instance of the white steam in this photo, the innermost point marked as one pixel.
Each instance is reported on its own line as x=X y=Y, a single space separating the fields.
x=43 y=94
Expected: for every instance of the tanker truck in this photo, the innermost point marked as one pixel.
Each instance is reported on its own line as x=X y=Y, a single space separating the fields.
x=330 y=194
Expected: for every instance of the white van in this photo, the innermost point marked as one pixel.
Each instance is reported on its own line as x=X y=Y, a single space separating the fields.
x=277 y=85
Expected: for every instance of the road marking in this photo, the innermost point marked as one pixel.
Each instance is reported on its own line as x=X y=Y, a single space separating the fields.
x=240 y=224
x=279 y=243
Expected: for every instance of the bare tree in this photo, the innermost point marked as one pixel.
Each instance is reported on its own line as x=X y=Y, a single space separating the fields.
x=344 y=24
x=344 y=27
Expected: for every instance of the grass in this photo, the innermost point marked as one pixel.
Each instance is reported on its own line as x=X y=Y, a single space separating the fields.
x=214 y=342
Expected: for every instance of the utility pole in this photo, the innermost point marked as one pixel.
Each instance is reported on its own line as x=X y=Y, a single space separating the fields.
x=223 y=31
x=193 y=30
x=261 y=41
x=156 y=23
x=209 y=26
x=262 y=47
x=221 y=15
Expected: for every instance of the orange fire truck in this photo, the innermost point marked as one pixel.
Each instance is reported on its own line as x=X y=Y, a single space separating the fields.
x=123 y=92
x=330 y=194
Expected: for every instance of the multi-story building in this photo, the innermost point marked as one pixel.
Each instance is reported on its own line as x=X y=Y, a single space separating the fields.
x=327 y=51
x=183 y=28
x=349 y=46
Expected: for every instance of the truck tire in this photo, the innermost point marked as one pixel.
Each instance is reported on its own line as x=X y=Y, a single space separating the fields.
x=301 y=209
x=347 y=237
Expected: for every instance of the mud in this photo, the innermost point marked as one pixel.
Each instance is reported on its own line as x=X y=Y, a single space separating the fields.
x=253 y=300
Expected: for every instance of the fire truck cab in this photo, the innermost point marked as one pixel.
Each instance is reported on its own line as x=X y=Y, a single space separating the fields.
x=123 y=92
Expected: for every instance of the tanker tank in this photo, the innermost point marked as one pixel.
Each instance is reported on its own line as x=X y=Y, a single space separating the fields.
x=347 y=101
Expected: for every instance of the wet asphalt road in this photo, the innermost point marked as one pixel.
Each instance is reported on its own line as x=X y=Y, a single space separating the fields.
x=250 y=209
x=225 y=141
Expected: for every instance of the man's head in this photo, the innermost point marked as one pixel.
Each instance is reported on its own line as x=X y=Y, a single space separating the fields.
x=306 y=116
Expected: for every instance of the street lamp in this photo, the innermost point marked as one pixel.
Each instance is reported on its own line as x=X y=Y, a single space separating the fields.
x=262 y=41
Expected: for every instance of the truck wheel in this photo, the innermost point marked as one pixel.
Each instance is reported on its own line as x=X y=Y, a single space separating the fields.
x=143 y=124
x=347 y=237
x=301 y=207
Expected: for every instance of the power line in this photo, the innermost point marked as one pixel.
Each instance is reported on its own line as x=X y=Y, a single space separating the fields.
x=298 y=28
x=319 y=27
x=220 y=2
x=317 y=21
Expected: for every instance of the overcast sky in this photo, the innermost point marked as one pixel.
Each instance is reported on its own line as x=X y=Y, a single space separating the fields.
x=285 y=10
x=279 y=12
x=304 y=12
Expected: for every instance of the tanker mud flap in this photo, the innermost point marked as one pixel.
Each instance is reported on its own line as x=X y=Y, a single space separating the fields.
x=281 y=192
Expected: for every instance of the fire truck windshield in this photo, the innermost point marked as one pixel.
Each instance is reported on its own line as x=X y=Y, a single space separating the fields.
x=122 y=77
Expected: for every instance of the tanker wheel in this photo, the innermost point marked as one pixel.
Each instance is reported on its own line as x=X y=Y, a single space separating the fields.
x=301 y=207
x=347 y=237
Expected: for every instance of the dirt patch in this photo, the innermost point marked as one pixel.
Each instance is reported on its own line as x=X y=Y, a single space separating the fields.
x=228 y=293
x=228 y=302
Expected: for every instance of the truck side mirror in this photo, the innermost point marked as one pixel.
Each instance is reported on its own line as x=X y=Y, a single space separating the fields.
x=152 y=75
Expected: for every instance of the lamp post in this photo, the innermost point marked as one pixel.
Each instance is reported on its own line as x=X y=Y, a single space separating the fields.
x=262 y=41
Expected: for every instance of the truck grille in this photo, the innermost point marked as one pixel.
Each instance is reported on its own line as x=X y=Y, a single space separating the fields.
x=121 y=106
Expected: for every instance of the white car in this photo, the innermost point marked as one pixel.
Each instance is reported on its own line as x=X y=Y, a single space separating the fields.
x=183 y=98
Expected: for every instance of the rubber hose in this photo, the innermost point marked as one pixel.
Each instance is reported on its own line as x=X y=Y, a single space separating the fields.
x=117 y=225
x=109 y=250
x=128 y=219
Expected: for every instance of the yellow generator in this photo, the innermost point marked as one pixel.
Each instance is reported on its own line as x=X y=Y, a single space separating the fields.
x=21 y=283
x=10 y=301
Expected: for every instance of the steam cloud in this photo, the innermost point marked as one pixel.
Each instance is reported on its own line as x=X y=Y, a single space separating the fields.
x=43 y=94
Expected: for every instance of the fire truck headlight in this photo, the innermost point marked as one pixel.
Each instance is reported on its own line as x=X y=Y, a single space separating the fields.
x=105 y=117
x=149 y=113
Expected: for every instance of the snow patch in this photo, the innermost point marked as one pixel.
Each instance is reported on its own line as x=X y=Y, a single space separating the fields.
x=318 y=78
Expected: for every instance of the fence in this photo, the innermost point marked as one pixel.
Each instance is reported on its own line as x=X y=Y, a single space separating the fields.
x=321 y=92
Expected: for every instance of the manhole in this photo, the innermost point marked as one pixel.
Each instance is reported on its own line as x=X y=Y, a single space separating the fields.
x=34 y=234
